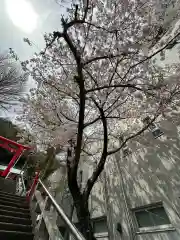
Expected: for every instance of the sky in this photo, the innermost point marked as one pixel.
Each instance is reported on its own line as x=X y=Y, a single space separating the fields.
x=31 y=19
x=27 y=19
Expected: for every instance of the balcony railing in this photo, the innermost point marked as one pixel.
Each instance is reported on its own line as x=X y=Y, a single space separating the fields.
x=48 y=216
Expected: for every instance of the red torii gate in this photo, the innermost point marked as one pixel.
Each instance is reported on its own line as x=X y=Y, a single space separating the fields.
x=18 y=151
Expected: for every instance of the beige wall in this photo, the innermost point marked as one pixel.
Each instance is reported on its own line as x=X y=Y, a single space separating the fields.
x=149 y=175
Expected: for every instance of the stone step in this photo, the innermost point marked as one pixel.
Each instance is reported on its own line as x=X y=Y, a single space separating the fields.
x=12 y=203
x=13 y=199
x=7 y=185
x=20 y=202
x=13 y=219
x=14 y=208
x=15 y=235
x=13 y=196
x=11 y=212
x=15 y=227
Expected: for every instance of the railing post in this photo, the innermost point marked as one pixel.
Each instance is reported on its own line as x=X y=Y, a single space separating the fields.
x=60 y=211
x=11 y=164
x=23 y=184
x=33 y=186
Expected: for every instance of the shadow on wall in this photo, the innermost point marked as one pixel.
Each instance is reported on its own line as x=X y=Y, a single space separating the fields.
x=150 y=174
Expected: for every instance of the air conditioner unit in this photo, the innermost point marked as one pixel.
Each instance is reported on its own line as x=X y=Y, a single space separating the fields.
x=157 y=132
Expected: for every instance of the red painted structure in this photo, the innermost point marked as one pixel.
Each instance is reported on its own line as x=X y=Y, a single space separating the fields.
x=15 y=148
x=33 y=186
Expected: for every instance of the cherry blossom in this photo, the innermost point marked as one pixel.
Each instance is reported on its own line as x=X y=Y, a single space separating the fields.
x=98 y=79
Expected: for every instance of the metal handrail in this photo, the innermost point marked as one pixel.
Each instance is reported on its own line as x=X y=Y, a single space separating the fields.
x=23 y=185
x=60 y=211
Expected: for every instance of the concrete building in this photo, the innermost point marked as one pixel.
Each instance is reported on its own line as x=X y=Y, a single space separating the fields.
x=138 y=195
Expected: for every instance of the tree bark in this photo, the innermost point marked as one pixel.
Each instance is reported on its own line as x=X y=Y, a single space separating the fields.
x=83 y=215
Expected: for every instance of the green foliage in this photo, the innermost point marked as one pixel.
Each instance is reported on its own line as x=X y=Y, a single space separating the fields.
x=8 y=129
x=12 y=80
x=46 y=163
x=50 y=164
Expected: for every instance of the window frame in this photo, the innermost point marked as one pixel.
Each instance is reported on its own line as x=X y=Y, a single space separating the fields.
x=101 y=234
x=126 y=152
x=154 y=128
x=96 y=219
x=163 y=227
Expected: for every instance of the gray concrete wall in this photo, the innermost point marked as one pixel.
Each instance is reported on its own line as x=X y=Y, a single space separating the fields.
x=150 y=174
x=7 y=185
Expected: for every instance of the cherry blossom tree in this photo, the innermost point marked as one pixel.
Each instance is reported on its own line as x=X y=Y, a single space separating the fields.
x=12 y=81
x=98 y=78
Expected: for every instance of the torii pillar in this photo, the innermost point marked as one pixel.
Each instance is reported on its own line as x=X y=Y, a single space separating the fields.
x=15 y=148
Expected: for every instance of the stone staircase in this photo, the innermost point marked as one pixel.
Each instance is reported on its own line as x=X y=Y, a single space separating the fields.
x=15 y=218
x=15 y=215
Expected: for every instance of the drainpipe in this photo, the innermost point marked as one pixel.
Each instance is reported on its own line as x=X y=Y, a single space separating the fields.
x=66 y=236
x=33 y=186
x=125 y=198
x=108 y=209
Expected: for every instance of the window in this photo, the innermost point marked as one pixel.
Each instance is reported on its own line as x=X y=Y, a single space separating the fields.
x=151 y=216
x=62 y=230
x=152 y=126
x=78 y=226
x=100 y=225
x=126 y=151
x=156 y=131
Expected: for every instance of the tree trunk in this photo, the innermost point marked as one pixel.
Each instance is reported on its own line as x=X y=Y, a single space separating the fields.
x=83 y=216
x=66 y=236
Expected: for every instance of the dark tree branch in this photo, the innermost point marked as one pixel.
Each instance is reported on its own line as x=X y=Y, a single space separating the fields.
x=131 y=137
x=73 y=166
x=88 y=153
x=57 y=114
x=82 y=21
x=86 y=10
x=100 y=165
x=56 y=35
x=94 y=80
x=108 y=93
x=115 y=101
x=68 y=118
x=92 y=122
x=87 y=33
x=150 y=56
x=110 y=56
x=73 y=50
x=76 y=12
x=99 y=118
x=60 y=90
x=73 y=171
x=100 y=27
x=114 y=86
x=73 y=185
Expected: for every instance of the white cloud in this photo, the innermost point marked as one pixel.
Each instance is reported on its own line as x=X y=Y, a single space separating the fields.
x=22 y=14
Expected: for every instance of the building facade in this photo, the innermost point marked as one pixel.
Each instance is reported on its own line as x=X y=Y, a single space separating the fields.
x=138 y=195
